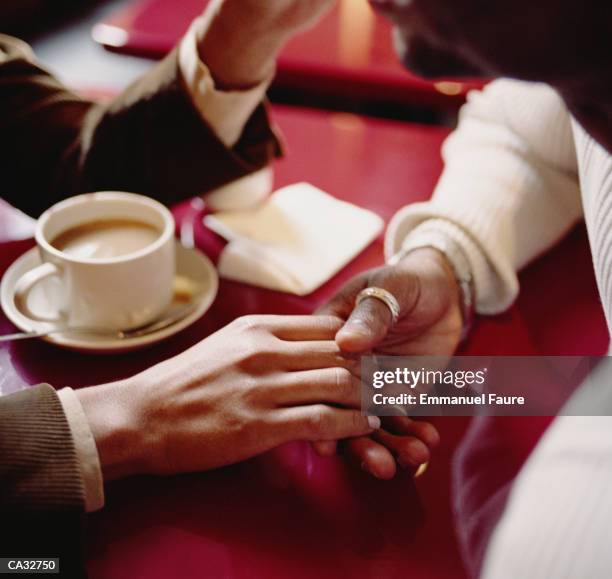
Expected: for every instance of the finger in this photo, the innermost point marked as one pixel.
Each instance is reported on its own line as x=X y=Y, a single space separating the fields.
x=321 y=422
x=424 y=431
x=366 y=327
x=327 y=385
x=302 y=328
x=372 y=456
x=343 y=302
x=409 y=451
x=316 y=355
x=325 y=448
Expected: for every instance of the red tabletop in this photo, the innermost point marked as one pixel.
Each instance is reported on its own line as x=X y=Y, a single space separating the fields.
x=290 y=513
x=348 y=54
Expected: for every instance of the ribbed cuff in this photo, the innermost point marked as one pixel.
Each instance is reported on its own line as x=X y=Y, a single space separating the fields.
x=40 y=468
x=496 y=286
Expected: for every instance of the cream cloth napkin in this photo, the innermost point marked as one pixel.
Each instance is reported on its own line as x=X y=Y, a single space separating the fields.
x=296 y=241
x=14 y=224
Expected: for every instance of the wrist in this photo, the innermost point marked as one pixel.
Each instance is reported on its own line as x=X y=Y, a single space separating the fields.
x=434 y=265
x=257 y=17
x=450 y=258
x=112 y=414
x=238 y=47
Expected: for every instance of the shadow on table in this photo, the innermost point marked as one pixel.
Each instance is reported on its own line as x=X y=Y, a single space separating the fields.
x=287 y=511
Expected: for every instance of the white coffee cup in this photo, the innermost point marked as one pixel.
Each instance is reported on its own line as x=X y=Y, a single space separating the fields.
x=119 y=293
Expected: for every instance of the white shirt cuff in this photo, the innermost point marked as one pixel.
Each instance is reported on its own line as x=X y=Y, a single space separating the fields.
x=226 y=112
x=87 y=452
x=494 y=292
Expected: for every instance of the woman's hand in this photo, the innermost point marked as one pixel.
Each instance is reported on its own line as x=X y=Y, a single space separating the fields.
x=257 y=383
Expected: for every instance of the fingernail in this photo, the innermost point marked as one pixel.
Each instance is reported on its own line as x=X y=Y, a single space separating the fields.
x=421 y=470
x=374 y=422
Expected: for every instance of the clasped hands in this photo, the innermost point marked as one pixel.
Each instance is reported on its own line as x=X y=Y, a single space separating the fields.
x=266 y=380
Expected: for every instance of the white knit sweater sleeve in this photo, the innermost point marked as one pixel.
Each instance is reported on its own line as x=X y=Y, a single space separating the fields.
x=509 y=190
x=558 y=519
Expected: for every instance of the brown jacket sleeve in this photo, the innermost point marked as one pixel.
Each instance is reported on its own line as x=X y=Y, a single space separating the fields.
x=41 y=491
x=149 y=140
x=39 y=469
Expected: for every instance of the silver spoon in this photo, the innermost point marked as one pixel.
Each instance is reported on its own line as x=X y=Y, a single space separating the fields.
x=155 y=326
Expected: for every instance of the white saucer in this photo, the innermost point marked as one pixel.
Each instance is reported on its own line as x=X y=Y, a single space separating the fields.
x=190 y=263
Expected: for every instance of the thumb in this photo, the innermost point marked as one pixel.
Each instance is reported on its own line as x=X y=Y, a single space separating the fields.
x=366 y=327
x=342 y=303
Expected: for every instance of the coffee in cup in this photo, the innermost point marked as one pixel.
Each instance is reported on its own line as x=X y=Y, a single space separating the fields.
x=106 y=238
x=108 y=259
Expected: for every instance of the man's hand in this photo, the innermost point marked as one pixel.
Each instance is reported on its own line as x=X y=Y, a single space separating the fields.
x=257 y=383
x=430 y=323
x=430 y=320
x=241 y=39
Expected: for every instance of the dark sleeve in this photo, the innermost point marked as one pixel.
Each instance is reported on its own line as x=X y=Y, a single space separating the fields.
x=150 y=139
x=41 y=491
x=39 y=467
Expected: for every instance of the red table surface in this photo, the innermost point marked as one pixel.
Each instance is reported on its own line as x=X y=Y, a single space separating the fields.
x=348 y=54
x=290 y=513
